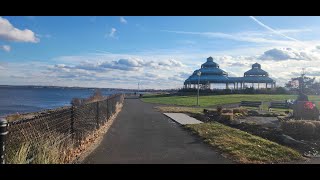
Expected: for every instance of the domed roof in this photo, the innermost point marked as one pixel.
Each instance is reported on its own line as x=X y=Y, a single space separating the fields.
x=210 y=71
x=209 y=63
x=256 y=71
x=256 y=65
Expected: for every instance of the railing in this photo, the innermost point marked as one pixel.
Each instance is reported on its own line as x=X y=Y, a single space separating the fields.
x=71 y=124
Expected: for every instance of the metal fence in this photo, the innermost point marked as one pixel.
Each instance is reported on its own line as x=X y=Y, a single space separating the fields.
x=73 y=123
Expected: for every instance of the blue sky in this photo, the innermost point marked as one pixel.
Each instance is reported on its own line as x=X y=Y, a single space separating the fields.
x=157 y=51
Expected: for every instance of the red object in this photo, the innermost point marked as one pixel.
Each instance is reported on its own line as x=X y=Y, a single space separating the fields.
x=309 y=105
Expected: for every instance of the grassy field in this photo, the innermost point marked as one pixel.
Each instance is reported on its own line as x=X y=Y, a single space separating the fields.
x=212 y=100
x=243 y=147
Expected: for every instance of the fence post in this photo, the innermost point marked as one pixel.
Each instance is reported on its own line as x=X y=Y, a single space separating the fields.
x=107 y=109
x=97 y=114
x=72 y=123
x=3 y=134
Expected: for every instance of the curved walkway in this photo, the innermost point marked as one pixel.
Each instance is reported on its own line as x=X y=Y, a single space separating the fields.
x=140 y=134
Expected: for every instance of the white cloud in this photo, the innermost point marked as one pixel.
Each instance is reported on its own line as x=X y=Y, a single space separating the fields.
x=6 y=48
x=285 y=54
x=10 y=33
x=112 y=33
x=123 y=20
x=130 y=64
x=161 y=69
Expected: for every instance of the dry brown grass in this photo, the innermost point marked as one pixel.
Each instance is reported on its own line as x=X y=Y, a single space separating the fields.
x=174 y=109
x=301 y=129
x=50 y=149
x=242 y=111
x=14 y=117
x=242 y=146
x=226 y=111
x=54 y=147
x=227 y=117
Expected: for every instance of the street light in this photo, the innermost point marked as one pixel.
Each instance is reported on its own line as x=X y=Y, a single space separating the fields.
x=198 y=74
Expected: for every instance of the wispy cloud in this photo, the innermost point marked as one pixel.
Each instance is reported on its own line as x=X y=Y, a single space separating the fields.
x=123 y=20
x=250 y=36
x=6 y=48
x=10 y=33
x=112 y=33
x=273 y=30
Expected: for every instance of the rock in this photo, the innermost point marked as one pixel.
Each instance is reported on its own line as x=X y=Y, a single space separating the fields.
x=253 y=113
x=289 y=140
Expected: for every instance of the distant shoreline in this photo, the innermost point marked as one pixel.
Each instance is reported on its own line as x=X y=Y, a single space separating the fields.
x=90 y=88
x=30 y=115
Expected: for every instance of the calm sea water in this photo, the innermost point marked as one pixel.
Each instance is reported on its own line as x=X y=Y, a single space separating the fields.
x=30 y=99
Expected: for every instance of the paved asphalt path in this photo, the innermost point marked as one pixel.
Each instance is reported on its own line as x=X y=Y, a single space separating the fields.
x=140 y=134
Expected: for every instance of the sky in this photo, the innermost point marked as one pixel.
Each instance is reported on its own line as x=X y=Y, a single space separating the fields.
x=158 y=52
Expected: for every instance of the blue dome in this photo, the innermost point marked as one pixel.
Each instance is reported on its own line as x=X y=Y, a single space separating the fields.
x=209 y=63
x=256 y=71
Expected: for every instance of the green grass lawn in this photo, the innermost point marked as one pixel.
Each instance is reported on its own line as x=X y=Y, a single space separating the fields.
x=243 y=147
x=206 y=101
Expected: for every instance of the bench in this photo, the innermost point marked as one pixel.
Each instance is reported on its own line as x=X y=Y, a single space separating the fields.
x=278 y=105
x=257 y=104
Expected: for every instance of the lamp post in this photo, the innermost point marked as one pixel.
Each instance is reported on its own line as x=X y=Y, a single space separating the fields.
x=198 y=74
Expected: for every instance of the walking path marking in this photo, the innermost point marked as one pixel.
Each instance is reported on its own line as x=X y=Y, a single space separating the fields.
x=182 y=118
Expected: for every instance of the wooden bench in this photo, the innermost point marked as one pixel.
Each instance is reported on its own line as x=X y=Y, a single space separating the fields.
x=279 y=105
x=257 y=104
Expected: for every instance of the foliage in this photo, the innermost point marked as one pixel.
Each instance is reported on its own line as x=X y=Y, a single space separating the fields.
x=97 y=96
x=305 y=84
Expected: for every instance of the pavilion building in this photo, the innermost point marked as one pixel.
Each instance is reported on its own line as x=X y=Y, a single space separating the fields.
x=212 y=77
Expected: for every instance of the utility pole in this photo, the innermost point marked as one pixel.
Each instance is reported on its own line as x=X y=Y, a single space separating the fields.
x=199 y=74
x=301 y=83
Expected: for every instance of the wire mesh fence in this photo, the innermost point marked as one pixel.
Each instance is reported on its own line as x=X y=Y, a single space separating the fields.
x=64 y=126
